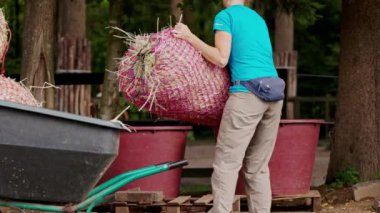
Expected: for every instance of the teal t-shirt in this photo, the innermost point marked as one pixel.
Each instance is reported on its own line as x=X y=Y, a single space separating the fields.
x=251 y=51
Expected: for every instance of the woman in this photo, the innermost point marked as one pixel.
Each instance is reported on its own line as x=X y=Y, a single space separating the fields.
x=249 y=125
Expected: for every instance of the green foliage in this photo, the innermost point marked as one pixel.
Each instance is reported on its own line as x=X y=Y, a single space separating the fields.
x=347 y=177
x=190 y=136
x=317 y=33
x=199 y=16
x=195 y=189
x=306 y=11
x=318 y=50
x=307 y=14
x=139 y=17
x=378 y=175
x=97 y=21
x=318 y=46
x=142 y=17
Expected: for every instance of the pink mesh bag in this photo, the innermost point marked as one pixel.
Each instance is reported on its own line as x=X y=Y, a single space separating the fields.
x=168 y=77
x=13 y=91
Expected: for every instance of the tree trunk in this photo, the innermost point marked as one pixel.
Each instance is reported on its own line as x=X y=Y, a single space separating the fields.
x=188 y=16
x=284 y=32
x=176 y=11
x=38 y=48
x=284 y=42
x=110 y=93
x=356 y=143
x=72 y=18
x=74 y=56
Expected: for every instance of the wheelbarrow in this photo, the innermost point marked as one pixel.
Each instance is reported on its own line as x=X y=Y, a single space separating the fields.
x=50 y=160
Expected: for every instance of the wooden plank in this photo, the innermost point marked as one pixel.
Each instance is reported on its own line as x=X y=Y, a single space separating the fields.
x=121 y=209
x=179 y=200
x=139 y=196
x=285 y=212
x=376 y=205
x=82 y=105
x=187 y=203
x=293 y=212
x=174 y=205
x=173 y=209
x=71 y=100
x=290 y=110
x=317 y=204
x=286 y=59
x=291 y=87
x=60 y=99
x=88 y=102
x=310 y=194
x=316 y=200
x=66 y=98
x=236 y=204
x=291 y=83
x=5 y=210
x=204 y=200
x=77 y=99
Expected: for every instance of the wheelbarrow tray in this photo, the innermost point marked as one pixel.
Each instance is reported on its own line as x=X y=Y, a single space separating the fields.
x=52 y=156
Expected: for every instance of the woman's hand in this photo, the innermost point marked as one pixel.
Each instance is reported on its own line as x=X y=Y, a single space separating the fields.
x=182 y=31
x=218 y=55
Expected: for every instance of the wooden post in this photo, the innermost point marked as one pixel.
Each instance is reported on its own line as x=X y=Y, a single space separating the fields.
x=288 y=60
x=291 y=92
x=121 y=209
x=376 y=204
x=74 y=56
x=174 y=206
x=236 y=204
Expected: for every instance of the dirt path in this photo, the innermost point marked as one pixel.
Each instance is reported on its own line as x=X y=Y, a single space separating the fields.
x=364 y=206
x=341 y=201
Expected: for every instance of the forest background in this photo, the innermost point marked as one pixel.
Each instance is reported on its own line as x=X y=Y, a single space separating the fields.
x=316 y=36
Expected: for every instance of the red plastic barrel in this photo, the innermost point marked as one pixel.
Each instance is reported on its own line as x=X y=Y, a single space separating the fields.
x=291 y=165
x=151 y=145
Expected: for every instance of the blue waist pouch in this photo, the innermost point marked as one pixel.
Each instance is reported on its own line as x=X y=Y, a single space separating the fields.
x=269 y=89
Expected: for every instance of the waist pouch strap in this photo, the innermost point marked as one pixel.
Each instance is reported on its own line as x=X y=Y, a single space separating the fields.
x=269 y=89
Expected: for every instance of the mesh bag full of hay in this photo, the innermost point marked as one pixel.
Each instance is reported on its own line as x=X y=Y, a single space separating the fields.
x=11 y=90
x=168 y=77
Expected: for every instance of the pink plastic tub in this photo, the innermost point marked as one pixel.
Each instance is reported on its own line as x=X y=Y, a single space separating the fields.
x=151 y=145
x=291 y=165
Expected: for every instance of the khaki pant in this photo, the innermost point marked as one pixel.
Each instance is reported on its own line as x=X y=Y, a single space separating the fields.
x=248 y=132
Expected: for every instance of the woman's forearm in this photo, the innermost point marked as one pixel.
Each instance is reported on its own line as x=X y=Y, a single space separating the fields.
x=212 y=54
x=218 y=55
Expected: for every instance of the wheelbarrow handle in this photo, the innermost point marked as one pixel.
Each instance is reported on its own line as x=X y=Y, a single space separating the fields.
x=177 y=164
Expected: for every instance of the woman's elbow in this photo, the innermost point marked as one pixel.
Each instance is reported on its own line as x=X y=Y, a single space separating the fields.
x=222 y=63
